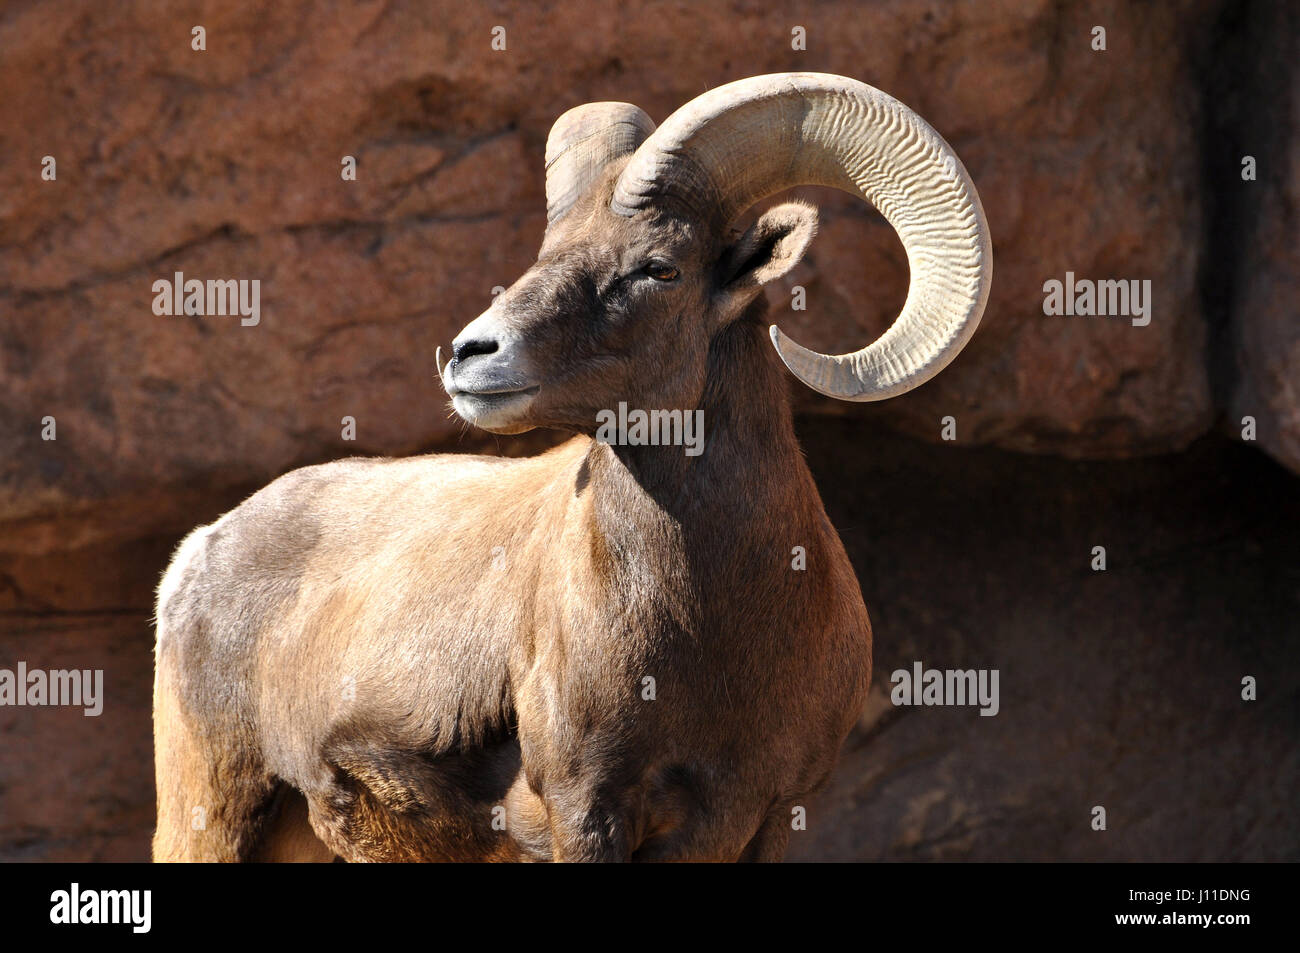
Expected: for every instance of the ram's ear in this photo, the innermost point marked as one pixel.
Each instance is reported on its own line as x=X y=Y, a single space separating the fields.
x=772 y=246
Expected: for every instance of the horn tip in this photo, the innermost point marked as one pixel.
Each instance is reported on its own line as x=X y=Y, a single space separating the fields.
x=782 y=345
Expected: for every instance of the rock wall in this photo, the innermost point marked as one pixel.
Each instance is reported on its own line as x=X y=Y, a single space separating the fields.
x=1122 y=163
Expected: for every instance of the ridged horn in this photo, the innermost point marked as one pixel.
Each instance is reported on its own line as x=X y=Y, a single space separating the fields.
x=736 y=145
x=581 y=142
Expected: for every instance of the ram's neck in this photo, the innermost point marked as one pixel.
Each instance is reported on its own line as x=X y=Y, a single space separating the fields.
x=748 y=482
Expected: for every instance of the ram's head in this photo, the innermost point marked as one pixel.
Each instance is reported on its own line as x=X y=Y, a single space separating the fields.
x=640 y=269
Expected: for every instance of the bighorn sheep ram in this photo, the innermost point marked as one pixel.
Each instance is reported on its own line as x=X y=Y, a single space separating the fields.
x=604 y=652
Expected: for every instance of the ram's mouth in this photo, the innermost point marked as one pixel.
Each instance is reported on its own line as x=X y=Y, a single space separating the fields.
x=499 y=411
x=492 y=393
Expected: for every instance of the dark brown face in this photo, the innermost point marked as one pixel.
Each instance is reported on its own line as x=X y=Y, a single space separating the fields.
x=616 y=309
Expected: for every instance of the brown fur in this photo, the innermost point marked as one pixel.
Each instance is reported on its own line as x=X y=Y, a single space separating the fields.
x=419 y=647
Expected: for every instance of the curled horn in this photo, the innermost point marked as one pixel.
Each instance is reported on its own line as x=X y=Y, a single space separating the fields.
x=581 y=142
x=737 y=144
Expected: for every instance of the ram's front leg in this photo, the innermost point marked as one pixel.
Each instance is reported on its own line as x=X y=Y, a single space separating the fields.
x=588 y=824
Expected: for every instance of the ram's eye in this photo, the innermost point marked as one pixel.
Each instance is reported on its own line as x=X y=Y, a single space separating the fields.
x=660 y=271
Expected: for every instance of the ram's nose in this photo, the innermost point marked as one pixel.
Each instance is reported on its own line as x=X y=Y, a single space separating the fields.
x=461 y=352
x=463 y=349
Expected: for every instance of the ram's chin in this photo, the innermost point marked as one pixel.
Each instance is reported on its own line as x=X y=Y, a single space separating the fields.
x=496 y=413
